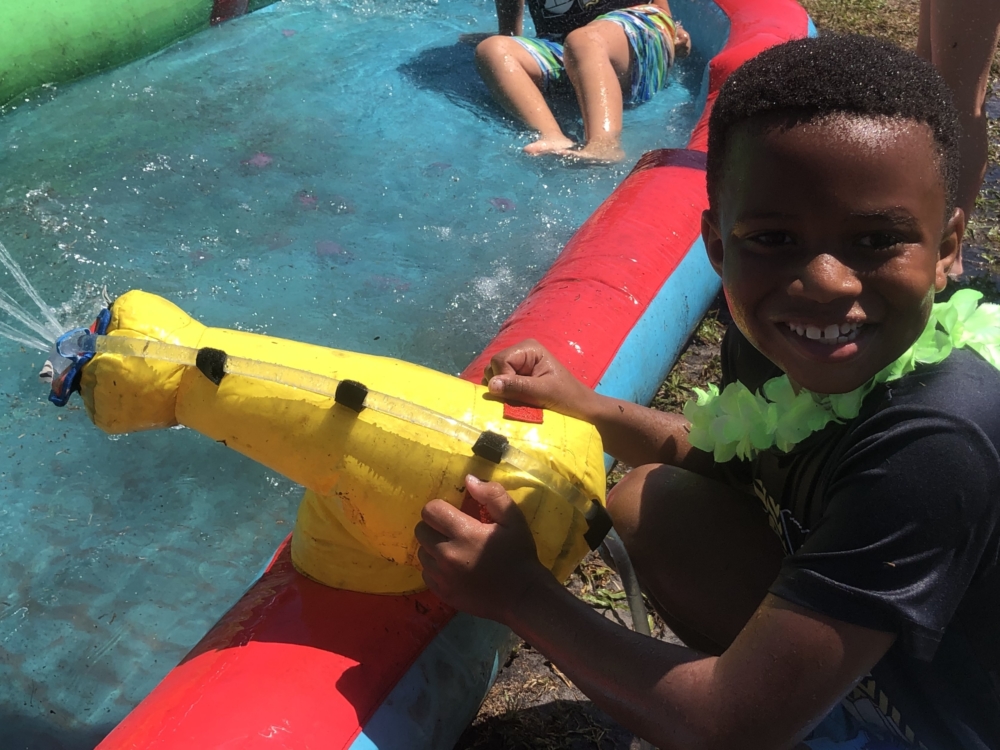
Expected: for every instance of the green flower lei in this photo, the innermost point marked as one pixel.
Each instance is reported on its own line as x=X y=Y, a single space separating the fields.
x=738 y=422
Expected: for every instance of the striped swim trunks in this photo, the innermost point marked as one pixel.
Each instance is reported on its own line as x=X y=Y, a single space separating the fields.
x=650 y=33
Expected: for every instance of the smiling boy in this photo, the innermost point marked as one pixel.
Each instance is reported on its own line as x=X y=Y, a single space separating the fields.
x=863 y=418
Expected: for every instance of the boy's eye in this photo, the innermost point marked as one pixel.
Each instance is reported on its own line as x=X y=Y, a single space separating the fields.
x=771 y=239
x=880 y=240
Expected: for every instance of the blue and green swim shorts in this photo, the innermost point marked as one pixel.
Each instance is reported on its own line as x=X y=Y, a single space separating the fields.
x=650 y=32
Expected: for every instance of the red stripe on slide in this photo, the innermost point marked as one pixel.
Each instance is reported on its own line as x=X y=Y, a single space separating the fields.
x=671 y=157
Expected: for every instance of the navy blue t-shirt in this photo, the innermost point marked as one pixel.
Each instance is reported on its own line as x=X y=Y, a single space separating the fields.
x=556 y=18
x=892 y=521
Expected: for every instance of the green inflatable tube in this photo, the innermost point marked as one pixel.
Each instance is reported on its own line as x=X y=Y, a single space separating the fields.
x=55 y=41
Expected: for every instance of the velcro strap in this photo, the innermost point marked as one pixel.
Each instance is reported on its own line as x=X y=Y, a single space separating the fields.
x=211 y=363
x=522 y=413
x=352 y=394
x=490 y=446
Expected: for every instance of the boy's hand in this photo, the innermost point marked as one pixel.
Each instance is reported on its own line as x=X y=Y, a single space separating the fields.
x=528 y=372
x=479 y=568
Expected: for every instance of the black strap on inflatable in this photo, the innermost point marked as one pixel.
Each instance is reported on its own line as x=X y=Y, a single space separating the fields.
x=352 y=394
x=598 y=524
x=212 y=363
x=491 y=446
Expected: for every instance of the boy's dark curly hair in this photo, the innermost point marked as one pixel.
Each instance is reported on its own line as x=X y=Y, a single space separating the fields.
x=808 y=79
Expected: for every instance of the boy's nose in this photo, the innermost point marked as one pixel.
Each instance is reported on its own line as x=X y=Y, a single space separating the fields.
x=825 y=278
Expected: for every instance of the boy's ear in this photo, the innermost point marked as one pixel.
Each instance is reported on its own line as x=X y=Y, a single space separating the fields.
x=950 y=251
x=713 y=239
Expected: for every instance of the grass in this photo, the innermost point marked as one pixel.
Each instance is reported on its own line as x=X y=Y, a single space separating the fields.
x=532 y=704
x=895 y=20
x=698 y=365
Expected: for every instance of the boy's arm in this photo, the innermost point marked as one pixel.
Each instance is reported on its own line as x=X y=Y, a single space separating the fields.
x=631 y=433
x=510 y=15
x=784 y=672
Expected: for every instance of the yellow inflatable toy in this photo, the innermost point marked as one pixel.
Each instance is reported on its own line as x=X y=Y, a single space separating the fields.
x=372 y=439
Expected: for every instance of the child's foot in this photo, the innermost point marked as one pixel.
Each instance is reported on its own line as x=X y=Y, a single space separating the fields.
x=552 y=145
x=682 y=41
x=596 y=152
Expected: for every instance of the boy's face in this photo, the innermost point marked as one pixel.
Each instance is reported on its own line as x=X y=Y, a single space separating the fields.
x=831 y=239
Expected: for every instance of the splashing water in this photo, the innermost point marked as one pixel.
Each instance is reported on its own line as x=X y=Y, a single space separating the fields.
x=48 y=329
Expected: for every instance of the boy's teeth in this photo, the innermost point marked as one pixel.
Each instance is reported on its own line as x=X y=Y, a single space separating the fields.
x=832 y=334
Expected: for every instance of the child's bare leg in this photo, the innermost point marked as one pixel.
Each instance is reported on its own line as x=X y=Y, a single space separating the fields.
x=597 y=59
x=924 y=31
x=514 y=79
x=703 y=551
x=960 y=37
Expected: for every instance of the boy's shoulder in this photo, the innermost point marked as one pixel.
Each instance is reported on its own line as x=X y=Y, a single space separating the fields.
x=963 y=386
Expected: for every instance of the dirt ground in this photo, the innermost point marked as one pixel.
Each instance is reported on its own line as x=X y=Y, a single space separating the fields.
x=533 y=705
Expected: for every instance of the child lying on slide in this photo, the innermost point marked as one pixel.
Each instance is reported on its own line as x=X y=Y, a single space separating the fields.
x=612 y=51
x=824 y=534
